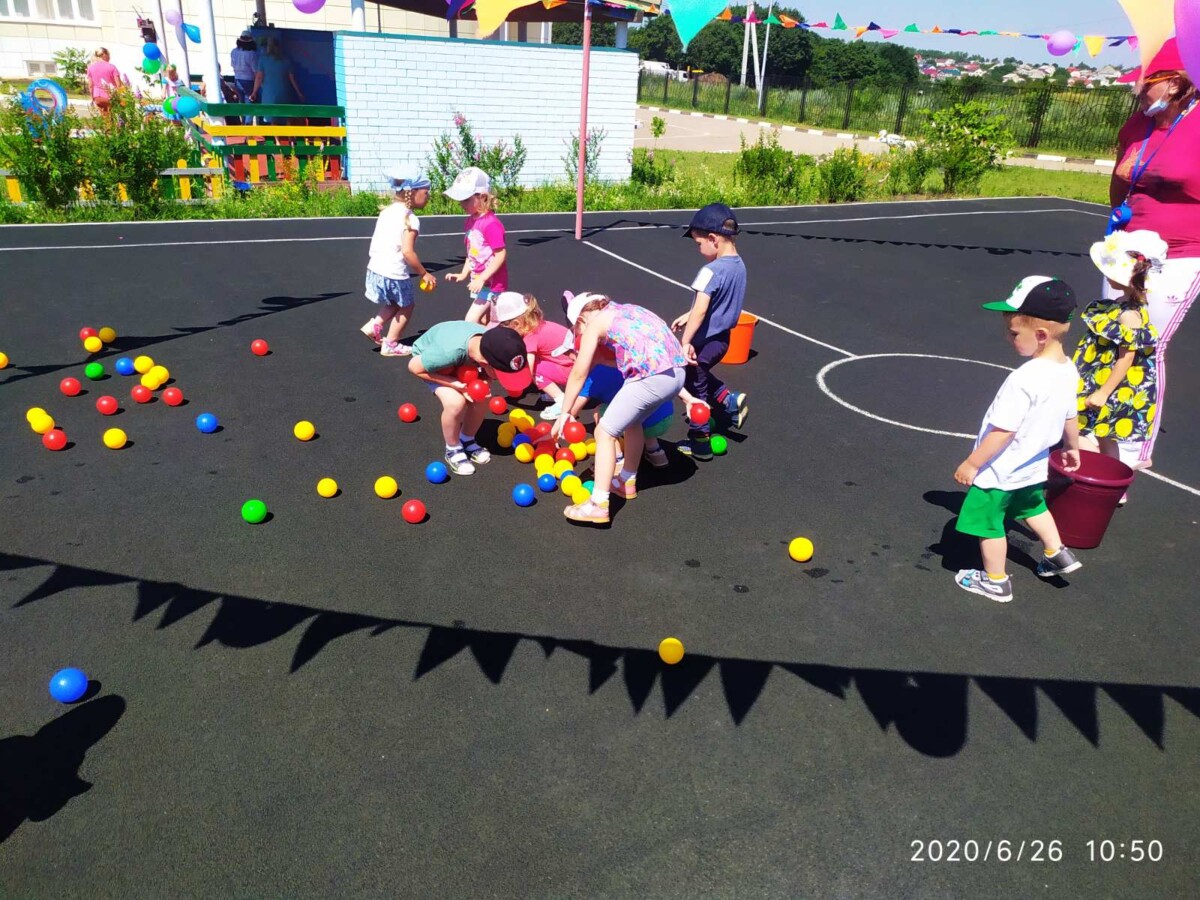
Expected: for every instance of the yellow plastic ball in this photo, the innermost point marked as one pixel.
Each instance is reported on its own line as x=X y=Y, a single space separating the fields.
x=800 y=549
x=161 y=373
x=43 y=423
x=304 y=430
x=579 y=448
x=590 y=443
x=570 y=484
x=107 y=334
x=425 y=286
x=386 y=487
x=150 y=383
x=507 y=428
x=543 y=463
x=33 y=412
x=560 y=467
x=327 y=487
x=524 y=453
x=93 y=344
x=504 y=440
x=516 y=416
x=3 y=360
x=583 y=495
x=114 y=439
x=143 y=364
x=670 y=650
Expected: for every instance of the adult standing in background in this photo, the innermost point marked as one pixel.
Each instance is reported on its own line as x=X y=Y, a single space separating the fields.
x=244 y=58
x=1156 y=186
x=274 y=79
x=103 y=78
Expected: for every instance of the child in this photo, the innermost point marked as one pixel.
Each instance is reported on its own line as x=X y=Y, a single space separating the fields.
x=720 y=291
x=437 y=354
x=1033 y=410
x=1118 y=384
x=394 y=260
x=602 y=384
x=546 y=345
x=487 y=259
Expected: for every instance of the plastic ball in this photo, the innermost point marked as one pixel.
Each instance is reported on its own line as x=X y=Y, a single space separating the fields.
x=34 y=412
x=570 y=484
x=574 y=432
x=254 y=511
x=93 y=344
x=70 y=386
x=386 y=487
x=546 y=483
x=467 y=374
x=327 y=487
x=124 y=366
x=699 y=414
x=106 y=334
x=407 y=413
x=142 y=394
x=498 y=405
x=579 y=450
x=478 y=390
x=106 y=405
x=507 y=428
x=581 y=495
x=437 y=473
x=517 y=416
x=54 y=439
x=413 y=512
x=162 y=373
x=149 y=382
x=504 y=440
x=207 y=423
x=115 y=438
x=589 y=486
x=42 y=424
x=800 y=549
x=561 y=468
x=85 y=333
x=566 y=454
x=260 y=347
x=304 y=430
x=544 y=428
x=670 y=650
x=143 y=364
x=522 y=439
x=94 y=371
x=524 y=453
x=719 y=444
x=68 y=685
x=3 y=360
x=425 y=286
x=545 y=447
x=172 y=396
x=523 y=495
x=544 y=465
x=590 y=443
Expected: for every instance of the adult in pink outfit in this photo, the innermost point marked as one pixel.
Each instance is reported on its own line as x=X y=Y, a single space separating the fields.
x=103 y=78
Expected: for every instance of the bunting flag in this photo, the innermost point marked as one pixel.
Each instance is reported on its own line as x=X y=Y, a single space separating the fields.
x=1153 y=22
x=492 y=13
x=771 y=20
x=787 y=21
x=838 y=23
x=689 y=16
x=935 y=30
x=912 y=27
x=820 y=25
x=859 y=31
x=726 y=15
x=456 y=7
x=873 y=27
x=752 y=19
x=888 y=33
x=547 y=4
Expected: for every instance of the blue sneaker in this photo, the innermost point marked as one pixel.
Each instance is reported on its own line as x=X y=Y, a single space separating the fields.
x=737 y=408
x=977 y=582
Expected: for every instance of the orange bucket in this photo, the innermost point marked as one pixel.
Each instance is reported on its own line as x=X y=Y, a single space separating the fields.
x=740 y=338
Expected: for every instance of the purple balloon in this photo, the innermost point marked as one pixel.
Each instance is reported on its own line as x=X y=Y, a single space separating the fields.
x=173 y=17
x=1187 y=35
x=1061 y=43
x=308 y=7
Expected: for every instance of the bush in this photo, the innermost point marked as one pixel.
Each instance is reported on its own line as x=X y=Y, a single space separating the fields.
x=129 y=147
x=766 y=166
x=43 y=152
x=591 y=156
x=842 y=176
x=647 y=171
x=908 y=169
x=502 y=163
x=967 y=140
x=72 y=64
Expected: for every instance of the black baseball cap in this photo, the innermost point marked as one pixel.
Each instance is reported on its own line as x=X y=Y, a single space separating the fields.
x=505 y=351
x=711 y=220
x=1041 y=297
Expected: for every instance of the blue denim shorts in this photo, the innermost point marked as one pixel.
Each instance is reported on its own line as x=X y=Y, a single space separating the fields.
x=389 y=291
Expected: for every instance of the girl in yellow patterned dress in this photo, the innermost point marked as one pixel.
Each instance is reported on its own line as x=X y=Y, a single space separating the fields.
x=1118 y=384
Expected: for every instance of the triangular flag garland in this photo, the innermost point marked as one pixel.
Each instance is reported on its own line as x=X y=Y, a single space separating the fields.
x=726 y=15
x=839 y=24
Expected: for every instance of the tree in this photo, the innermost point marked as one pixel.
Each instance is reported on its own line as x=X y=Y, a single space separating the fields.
x=836 y=60
x=657 y=40
x=896 y=65
x=604 y=34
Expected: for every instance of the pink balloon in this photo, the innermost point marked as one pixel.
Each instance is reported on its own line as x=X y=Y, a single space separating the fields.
x=308 y=7
x=173 y=17
x=1061 y=43
x=1187 y=35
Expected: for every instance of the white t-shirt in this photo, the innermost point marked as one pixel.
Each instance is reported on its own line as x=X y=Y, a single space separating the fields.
x=1035 y=402
x=386 y=257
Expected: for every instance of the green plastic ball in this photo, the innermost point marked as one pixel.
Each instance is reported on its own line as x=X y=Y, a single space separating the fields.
x=94 y=371
x=719 y=444
x=254 y=511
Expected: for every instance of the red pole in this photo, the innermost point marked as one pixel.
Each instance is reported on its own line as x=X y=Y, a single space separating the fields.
x=583 y=105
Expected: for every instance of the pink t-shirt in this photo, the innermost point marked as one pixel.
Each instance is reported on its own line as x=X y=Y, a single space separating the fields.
x=485 y=235
x=103 y=77
x=1166 y=197
x=545 y=339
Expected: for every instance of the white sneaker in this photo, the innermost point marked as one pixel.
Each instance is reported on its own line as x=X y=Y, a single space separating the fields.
x=550 y=413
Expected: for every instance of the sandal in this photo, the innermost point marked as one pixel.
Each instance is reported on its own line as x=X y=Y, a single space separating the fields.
x=588 y=512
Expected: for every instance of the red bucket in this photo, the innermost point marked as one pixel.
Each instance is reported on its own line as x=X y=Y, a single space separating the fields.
x=1083 y=502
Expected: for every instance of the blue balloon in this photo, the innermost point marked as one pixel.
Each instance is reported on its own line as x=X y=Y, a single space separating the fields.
x=436 y=472
x=68 y=685
x=151 y=51
x=547 y=482
x=521 y=439
x=207 y=423
x=523 y=495
x=187 y=107
x=124 y=366
x=192 y=32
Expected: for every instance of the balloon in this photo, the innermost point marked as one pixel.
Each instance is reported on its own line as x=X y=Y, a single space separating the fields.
x=173 y=17
x=1153 y=21
x=1061 y=43
x=192 y=32
x=169 y=106
x=308 y=7
x=1187 y=36
x=187 y=107
x=151 y=51
x=68 y=685
x=151 y=66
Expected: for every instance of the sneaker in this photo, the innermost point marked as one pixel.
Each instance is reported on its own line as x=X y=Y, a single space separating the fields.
x=737 y=408
x=1060 y=563
x=477 y=454
x=373 y=331
x=387 y=348
x=588 y=512
x=553 y=411
x=457 y=462
x=696 y=448
x=1124 y=499
x=626 y=490
x=977 y=582
x=656 y=457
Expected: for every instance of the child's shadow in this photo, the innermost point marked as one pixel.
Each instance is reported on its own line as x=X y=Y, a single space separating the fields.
x=961 y=551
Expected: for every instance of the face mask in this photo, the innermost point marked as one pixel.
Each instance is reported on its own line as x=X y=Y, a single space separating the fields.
x=1155 y=108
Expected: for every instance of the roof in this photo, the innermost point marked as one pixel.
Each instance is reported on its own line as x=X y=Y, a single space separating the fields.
x=570 y=11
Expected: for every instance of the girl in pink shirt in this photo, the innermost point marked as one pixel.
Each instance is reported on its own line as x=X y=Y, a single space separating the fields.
x=486 y=264
x=549 y=365
x=103 y=78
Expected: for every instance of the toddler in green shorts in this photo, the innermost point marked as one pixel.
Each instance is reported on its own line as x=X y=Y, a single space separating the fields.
x=1033 y=411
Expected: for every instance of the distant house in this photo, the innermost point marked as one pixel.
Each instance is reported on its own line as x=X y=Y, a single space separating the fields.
x=1012 y=78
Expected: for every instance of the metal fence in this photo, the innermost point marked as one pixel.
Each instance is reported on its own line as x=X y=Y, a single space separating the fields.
x=1075 y=120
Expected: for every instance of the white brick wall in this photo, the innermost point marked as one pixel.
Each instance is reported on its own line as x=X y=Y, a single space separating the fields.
x=400 y=93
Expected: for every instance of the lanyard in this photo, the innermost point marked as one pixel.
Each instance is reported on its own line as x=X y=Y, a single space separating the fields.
x=1140 y=167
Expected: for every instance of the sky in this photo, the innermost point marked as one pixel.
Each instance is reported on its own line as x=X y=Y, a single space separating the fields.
x=1027 y=16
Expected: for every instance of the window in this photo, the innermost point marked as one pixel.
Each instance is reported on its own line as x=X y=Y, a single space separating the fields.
x=49 y=10
x=38 y=69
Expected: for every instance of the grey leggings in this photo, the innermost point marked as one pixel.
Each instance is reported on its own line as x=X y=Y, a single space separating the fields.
x=638 y=398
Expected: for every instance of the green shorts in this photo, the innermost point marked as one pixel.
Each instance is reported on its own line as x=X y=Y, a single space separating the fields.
x=985 y=509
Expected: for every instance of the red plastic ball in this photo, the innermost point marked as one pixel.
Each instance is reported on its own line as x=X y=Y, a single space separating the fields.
x=699 y=414
x=566 y=454
x=478 y=389
x=54 y=439
x=172 y=396
x=531 y=433
x=407 y=413
x=106 y=405
x=85 y=333
x=69 y=386
x=413 y=512
x=543 y=428
x=545 y=447
x=498 y=405
x=467 y=374
x=574 y=432
x=260 y=347
x=141 y=394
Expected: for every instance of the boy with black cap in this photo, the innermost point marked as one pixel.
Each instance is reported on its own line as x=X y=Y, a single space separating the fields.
x=720 y=292
x=1034 y=409
x=436 y=356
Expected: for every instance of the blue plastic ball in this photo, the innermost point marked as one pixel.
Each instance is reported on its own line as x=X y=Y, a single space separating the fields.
x=523 y=495
x=548 y=482
x=207 y=423
x=521 y=439
x=437 y=473
x=124 y=366
x=68 y=685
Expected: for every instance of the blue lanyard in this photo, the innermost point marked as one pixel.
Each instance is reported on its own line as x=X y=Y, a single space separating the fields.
x=1140 y=167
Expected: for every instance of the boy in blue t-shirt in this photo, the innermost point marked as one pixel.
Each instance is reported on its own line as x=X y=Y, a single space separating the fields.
x=720 y=291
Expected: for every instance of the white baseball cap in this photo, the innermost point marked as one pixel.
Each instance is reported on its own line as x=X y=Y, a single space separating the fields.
x=470 y=181
x=576 y=304
x=1116 y=254
x=509 y=305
